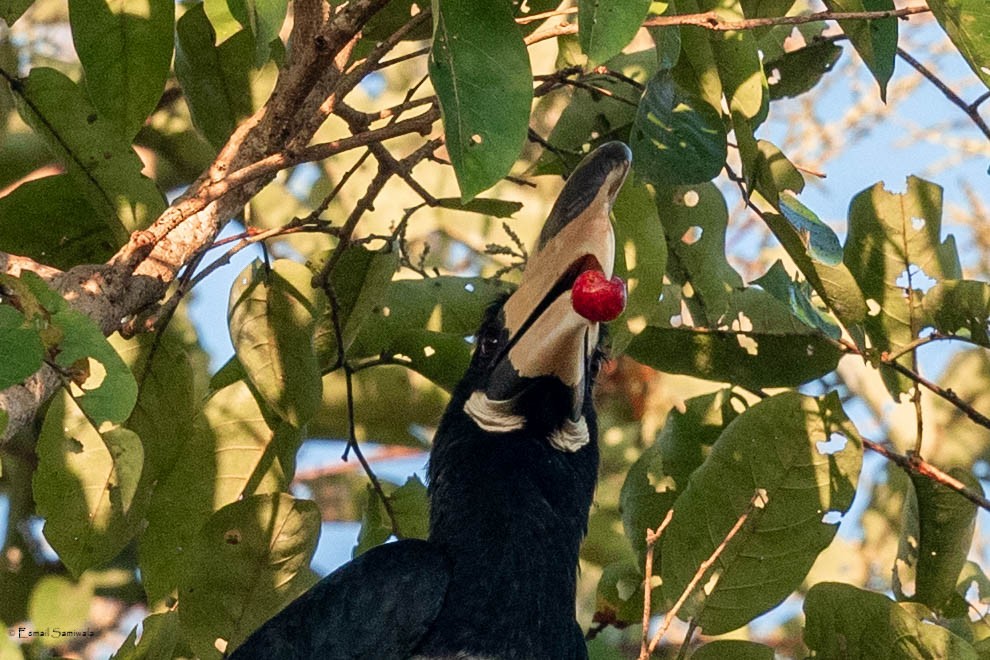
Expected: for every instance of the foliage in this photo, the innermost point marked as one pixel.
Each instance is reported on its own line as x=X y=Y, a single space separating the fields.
x=393 y=161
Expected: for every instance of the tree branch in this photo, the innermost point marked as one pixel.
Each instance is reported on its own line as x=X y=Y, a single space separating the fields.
x=971 y=109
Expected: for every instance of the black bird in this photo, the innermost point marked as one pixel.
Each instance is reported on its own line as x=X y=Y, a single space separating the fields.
x=511 y=478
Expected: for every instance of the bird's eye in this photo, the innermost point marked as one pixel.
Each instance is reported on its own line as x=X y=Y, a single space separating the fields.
x=488 y=345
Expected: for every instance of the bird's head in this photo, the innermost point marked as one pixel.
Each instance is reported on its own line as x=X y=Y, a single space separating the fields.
x=535 y=357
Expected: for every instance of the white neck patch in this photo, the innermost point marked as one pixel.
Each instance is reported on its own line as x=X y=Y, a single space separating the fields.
x=571 y=436
x=493 y=416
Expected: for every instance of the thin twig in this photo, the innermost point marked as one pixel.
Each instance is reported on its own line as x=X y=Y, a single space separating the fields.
x=916 y=464
x=758 y=501
x=651 y=542
x=712 y=21
x=971 y=109
x=942 y=392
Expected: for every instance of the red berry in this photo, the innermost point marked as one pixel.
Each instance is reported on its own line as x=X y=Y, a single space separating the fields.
x=596 y=298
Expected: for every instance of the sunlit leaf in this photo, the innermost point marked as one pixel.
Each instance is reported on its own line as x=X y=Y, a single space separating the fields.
x=845 y=622
x=101 y=163
x=410 y=507
x=773 y=173
x=478 y=49
x=272 y=319
x=797 y=296
x=159 y=637
x=87 y=486
x=967 y=23
x=874 y=40
x=58 y=602
x=607 y=27
x=960 y=308
x=250 y=559
x=895 y=250
x=733 y=649
x=126 y=49
x=677 y=137
x=215 y=79
x=780 y=449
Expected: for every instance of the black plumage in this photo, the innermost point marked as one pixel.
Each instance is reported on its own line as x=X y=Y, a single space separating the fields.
x=511 y=479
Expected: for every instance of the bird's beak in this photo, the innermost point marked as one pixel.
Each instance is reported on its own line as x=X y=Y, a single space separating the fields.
x=546 y=337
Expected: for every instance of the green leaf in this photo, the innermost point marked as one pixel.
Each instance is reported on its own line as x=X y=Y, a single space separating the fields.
x=677 y=137
x=946 y=524
x=86 y=487
x=798 y=71
x=641 y=258
x=215 y=79
x=231 y=453
x=3 y=425
x=773 y=173
x=619 y=596
x=21 y=349
x=967 y=23
x=660 y=475
x=109 y=391
x=591 y=118
x=822 y=243
x=160 y=635
x=58 y=602
x=607 y=27
x=845 y=622
x=360 y=280
x=498 y=208
x=264 y=19
x=875 y=41
x=477 y=49
x=960 y=308
x=248 y=562
x=797 y=296
x=271 y=326
x=733 y=649
x=409 y=505
x=98 y=159
x=893 y=242
x=424 y=323
x=78 y=236
x=125 y=48
x=776 y=448
x=11 y=10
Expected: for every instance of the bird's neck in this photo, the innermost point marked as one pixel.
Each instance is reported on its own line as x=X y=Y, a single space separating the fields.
x=510 y=512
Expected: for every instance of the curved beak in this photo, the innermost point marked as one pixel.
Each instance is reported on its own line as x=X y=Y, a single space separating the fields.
x=546 y=337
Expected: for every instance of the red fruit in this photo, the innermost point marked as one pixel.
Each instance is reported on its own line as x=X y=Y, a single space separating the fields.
x=596 y=298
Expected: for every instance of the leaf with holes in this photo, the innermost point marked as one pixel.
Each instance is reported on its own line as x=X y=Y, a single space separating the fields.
x=875 y=41
x=803 y=456
x=660 y=474
x=125 y=48
x=845 y=622
x=945 y=533
x=677 y=137
x=640 y=259
x=100 y=162
x=960 y=308
x=619 y=596
x=967 y=23
x=359 y=280
x=232 y=452
x=250 y=560
x=87 y=486
x=477 y=48
x=607 y=27
x=894 y=249
x=272 y=319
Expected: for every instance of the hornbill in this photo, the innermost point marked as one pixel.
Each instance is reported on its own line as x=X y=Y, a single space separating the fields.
x=511 y=478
